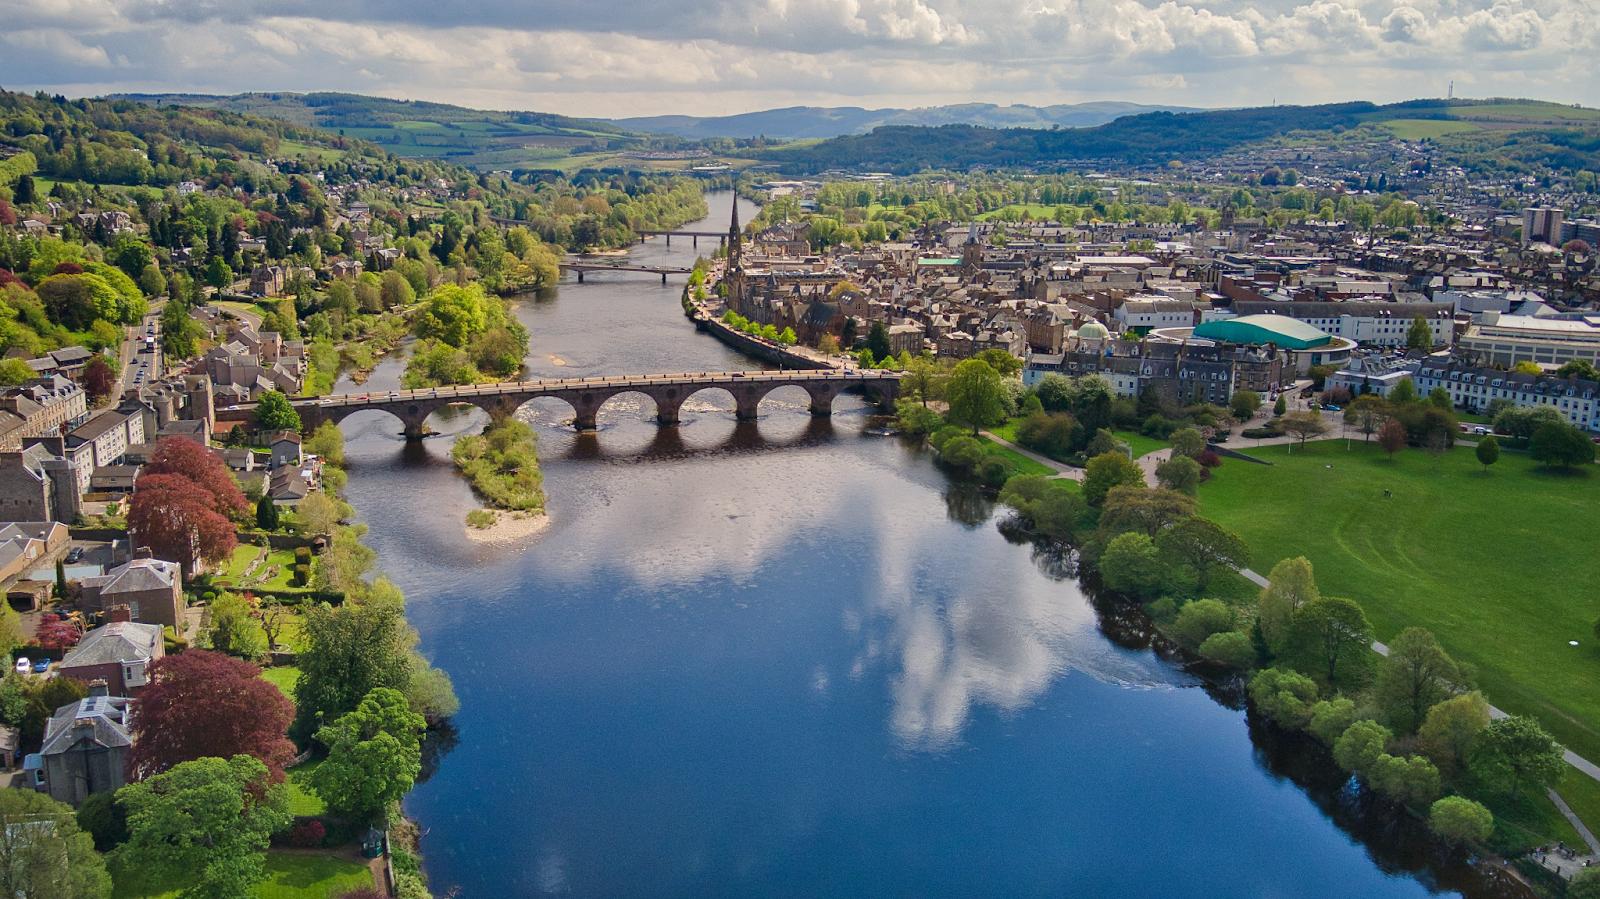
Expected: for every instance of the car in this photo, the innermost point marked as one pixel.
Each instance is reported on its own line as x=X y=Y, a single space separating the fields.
x=393 y=395
x=1329 y=407
x=41 y=667
x=76 y=554
x=1480 y=431
x=23 y=665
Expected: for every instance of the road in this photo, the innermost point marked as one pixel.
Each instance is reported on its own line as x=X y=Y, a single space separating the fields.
x=139 y=367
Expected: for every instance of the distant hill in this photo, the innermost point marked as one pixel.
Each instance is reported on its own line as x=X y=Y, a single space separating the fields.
x=1521 y=131
x=802 y=122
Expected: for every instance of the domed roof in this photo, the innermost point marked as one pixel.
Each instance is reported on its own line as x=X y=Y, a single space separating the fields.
x=1093 y=331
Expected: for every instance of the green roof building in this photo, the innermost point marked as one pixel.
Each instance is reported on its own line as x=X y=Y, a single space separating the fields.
x=1286 y=332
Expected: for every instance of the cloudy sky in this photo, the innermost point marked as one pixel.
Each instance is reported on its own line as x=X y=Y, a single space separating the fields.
x=716 y=57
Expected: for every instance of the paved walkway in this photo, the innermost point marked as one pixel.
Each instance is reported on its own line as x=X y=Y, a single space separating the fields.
x=1062 y=470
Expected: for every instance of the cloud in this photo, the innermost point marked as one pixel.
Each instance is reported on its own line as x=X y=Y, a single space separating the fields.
x=723 y=56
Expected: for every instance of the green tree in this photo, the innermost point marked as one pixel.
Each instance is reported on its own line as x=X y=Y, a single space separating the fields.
x=1404 y=393
x=1330 y=639
x=374 y=756
x=1451 y=729
x=1180 y=474
x=266 y=513
x=1244 y=404
x=1001 y=361
x=1585 y=884
x=1579 y=368
x=1198 y=620
x=14 y=372
x=1415 y=676
x=275 y=413
x=43 y=854
x=1052 y=509
x=1128 y=508
x=1410 y=781
x=878 y=340
x=1560 y=444
x=1330 y=718
x=1304 y=425
x=151 y=281
x=1187 y=442
x=1202 y=545
x=234 y=629
x=218 y=274
x=205 y=822
x=1286 y=697
x=454 y=315
x=1106 y=471
x=179 y=331
x=1280 y=406
x=1457 y=819
x=1420 y=336
x=1487 y=451
x=345 y=653
x=974 y=395
x=1517 y=750
x=1230 y=648
x=1358 y=748
x=1130 y=565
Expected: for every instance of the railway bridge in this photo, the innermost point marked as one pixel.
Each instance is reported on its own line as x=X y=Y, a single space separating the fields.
x=587 y=395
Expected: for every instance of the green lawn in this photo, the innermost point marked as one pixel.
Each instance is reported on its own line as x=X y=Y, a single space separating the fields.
x=284 y=678
x=1142 y=445
x=287 y=877
x=1024 y=464
x=302 y=799
x=1419 y=129
x=1499 y=565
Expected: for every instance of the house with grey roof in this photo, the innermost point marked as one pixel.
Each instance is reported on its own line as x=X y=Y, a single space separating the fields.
x=86 y=747
x=152 y=589
x=119 y=653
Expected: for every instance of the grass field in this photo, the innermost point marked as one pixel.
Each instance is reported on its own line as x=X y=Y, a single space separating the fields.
x=1420 y=129
x=287 y=877
x=1532 y=113
x=284 y=678
x=1499 y=565
x=1142 y=445
x=1024 y=464
x=302 y=799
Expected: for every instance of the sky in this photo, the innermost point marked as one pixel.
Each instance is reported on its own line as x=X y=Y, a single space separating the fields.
x=617 y=58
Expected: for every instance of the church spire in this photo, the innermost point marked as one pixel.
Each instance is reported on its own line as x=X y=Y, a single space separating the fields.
x=735 y=236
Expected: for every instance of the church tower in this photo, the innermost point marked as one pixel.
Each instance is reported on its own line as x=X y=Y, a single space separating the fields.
x=734 y=274
x=735 y=237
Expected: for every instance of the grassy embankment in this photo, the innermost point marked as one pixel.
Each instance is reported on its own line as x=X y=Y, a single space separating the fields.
x=287 y=877
x=1498 y=564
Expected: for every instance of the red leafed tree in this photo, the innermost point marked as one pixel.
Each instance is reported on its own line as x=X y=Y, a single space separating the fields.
x=177 y=519
x=57 y=633
x=183 y=457
x=1392 y=437
x=203 y=704
x=98 y=378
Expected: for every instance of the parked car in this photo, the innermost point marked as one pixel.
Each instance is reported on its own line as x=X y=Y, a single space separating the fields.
x=76 y=554
x=23 y=665
x=41 y=667
x=1330 y=407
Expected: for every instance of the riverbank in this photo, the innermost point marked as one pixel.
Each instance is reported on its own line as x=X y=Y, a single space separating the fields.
x=509 y=527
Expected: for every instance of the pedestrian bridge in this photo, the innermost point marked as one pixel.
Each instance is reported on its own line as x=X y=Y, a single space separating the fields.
x=587 y=395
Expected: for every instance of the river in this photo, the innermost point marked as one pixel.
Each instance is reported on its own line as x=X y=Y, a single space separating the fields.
x=790 y=659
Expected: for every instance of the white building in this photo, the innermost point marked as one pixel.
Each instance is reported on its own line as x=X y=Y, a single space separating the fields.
x=1474 y=388
x=1370 y=324
x=1508 y=339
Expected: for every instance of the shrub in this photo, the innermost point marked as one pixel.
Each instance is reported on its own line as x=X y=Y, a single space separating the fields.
x=1358 y=748
x=962 y=452
x=1158 y=427
x=1130 y=565
x=1286 y=697
x=302 y=555
x=949 y=432
x=1584 y=885
x=1330 y=718
x=301 y=575
x=307 y=834
x=1202 y=618
x=480 y=518
x=1458 y=819
x=1209 y=459
x=996 y=470
x=1230 y=648
x=1259 y=433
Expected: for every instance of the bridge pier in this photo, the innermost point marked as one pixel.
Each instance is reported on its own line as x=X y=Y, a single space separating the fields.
x=580 y=276
x=822 y=403
x=746 y=402
x=669 y=403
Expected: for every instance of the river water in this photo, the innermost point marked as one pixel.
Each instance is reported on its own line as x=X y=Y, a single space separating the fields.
x=790 y=659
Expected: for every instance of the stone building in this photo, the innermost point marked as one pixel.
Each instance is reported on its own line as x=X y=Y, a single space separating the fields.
x=86 y=746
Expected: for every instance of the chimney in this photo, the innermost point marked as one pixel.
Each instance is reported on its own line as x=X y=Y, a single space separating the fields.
x=119 y=613
x=98 y=687
x=142 y=552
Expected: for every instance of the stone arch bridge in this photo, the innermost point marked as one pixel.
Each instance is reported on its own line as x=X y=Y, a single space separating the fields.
x=587 y=395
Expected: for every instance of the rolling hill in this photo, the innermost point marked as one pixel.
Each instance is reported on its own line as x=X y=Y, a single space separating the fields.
x=805 y=122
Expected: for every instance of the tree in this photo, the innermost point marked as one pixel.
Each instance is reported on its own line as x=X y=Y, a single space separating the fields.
x=151 y=281
x=1358 y=748
x=1180 y=474
x=1286 y=697
x=1420 y=336
x=1280 y=406
x=1367 y=412
x=374 y=755
x=99 y=377
x=1403 y=393
x=14 y=372
x=1290 y=585
x=347 y=652
x=1517 y=750
x=878 y=340
x=1330 y=639
x=1001 y=361
x=1487 y=451
x=1579 y=368
x=218 y=274
x=1198 y=620
x=177 y=520
x=274 y=412
x=1201 y=544
x=1521 y=423
x=187 y=459
x=43 y=854
x=1330 y=718
x=1187 y=442
x=1527 y=367
x=1128 y=508
x=209 y=821
x=1149 y=401
x=1130 y=564
x=1052 y=509
x=202 y=704
x=1245 y=404
x=179 y=330
x=327 y=443
x=1585 y=884
x=1416 y=675
x=1410 y=781
x=1451 y=729
x=234 y=629
x=266 y=513
x=1392 y=437
x=1106 y=471
x=1230 y=648
x=1457 y=819
x=1304 y=425
x=923 y=380
x=454 y=315
x=1560 y=444
x=974 y=395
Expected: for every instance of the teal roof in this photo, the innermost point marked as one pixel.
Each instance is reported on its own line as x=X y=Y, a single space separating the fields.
x=1282 y=330
x=956 y=261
